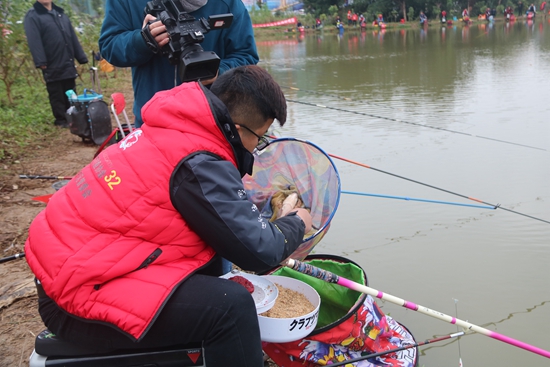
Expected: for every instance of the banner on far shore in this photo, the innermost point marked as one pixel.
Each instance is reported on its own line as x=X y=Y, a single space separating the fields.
x=275 y=24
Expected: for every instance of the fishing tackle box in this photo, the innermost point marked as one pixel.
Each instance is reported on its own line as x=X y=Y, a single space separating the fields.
x=89 y=116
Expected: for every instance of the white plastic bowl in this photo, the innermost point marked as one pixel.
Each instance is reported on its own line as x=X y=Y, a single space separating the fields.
x=278 y=330
x=265 y=292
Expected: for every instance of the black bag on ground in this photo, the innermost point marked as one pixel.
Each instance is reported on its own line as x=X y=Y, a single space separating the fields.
x=89 y=117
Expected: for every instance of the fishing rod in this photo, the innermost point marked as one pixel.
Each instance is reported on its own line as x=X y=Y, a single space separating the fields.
x=497 y=206
x=333 y=278
x=374 y=355
x=493 y=206
x=39 y=177
x=417 y=199
x=414 y=123
x=13 y=257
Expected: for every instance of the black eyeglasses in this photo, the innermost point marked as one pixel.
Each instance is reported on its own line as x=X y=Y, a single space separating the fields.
x=263 y=142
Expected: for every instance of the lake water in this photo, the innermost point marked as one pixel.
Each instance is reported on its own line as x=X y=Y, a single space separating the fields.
x=464 y=109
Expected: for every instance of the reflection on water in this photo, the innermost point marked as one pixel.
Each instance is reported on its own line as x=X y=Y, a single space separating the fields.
x=436 y=112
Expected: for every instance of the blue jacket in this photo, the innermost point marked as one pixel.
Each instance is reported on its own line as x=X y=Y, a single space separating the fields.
x=122 y=45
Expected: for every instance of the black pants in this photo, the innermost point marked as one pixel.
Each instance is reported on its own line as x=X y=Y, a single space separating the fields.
x=58 y=99
x=204 y=308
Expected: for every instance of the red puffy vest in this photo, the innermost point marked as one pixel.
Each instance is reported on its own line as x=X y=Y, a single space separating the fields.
x=110 y=246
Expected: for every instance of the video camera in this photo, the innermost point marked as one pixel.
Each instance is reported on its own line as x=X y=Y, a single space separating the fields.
x=186 y=33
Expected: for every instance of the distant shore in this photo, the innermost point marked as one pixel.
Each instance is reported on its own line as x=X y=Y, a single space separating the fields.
x=285 y=30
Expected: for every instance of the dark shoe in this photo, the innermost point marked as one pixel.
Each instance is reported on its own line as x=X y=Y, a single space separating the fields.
x=61 y=124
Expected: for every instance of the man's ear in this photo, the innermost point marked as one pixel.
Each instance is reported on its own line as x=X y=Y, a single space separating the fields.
x=239 y=130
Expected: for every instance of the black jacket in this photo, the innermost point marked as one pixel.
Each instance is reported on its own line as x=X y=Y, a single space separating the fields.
x=209 y=194
x=53 y=42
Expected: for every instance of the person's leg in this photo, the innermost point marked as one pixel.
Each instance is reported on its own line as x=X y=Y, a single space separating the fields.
x=68 y=84
x=220 y=313
x=58 y=102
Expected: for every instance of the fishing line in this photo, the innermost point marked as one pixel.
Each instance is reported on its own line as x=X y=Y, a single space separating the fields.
x=497 y=206
x=413 y=123
x=339 y=97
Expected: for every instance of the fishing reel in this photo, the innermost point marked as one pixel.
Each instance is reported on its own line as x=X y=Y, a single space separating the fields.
x=186 y=34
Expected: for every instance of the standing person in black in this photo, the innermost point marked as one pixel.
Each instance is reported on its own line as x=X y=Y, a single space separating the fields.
x=54 y=48
x=520 y=8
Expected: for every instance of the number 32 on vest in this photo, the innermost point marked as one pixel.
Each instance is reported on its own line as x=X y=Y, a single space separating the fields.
x=112 y=180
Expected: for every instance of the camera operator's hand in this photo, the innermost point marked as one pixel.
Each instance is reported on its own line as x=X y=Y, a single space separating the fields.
x=157 y=29
x=210 y=81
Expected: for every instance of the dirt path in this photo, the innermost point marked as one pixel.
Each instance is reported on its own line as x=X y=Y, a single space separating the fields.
x=61 y=155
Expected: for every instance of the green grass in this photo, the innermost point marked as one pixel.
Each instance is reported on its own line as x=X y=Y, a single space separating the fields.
x=28 y=117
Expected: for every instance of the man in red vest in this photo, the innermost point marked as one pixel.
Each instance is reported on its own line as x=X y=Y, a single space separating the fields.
x=127 y=254
x=354 y=18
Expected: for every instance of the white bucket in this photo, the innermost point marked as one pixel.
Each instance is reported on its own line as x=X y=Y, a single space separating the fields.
x=282 y=330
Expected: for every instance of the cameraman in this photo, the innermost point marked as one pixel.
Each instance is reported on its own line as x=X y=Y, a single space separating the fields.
x=122 y=45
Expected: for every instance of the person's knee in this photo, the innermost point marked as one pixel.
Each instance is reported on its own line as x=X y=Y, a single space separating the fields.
x=239 y=299
x=235 y=313
x=238 y=303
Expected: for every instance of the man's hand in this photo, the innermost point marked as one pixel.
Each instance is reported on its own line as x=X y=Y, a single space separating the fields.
x=157 y=30
x=305 y=216
x=43 y=67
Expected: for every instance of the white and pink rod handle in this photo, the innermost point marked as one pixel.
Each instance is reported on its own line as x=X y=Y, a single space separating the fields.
x=333 y=278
